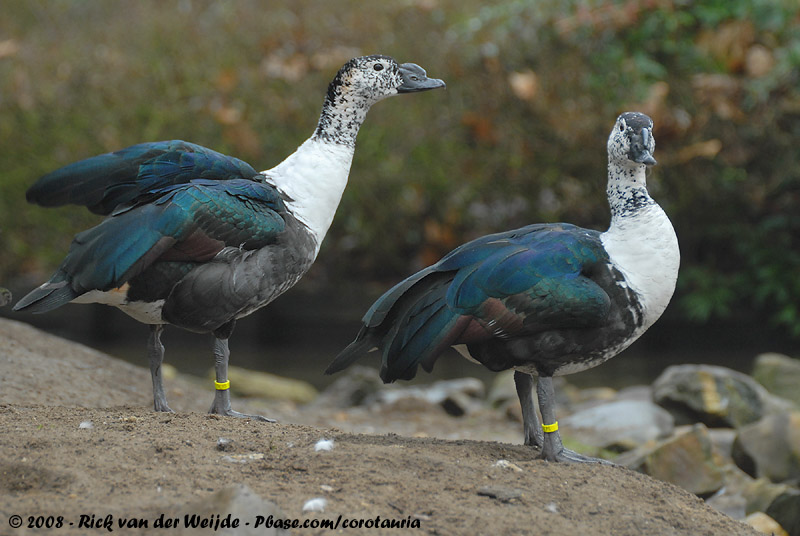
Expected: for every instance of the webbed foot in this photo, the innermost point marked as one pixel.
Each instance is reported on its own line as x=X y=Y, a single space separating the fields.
x=231 y=413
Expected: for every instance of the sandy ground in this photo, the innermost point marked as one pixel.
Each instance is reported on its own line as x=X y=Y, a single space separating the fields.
x=134 y=463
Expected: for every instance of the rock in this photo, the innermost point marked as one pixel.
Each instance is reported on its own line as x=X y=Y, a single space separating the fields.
x=715 y=396
x=500 y=493
x=243 y=458
x=505 y=464
x=502 y=390
x=770 y=448
x=225 y=445
x=252 y=383
x=317 y=504
x=687 y=459
x=458 y=404
x=407 y=406
x=723 y=439
x=641 y=393
x=593 y=396
x=621 y=425
x=763 y=523
x=457 y=397
x=785 y=509
x=757 y=494
x=570 y=397
x=238 y=501
x=351 y=388
x=731 y=504
x=780 y=375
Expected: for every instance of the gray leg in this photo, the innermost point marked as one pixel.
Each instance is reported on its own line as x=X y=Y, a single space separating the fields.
x=155 y=353
x=553 y=450
x=530 y=422
x=222 y=397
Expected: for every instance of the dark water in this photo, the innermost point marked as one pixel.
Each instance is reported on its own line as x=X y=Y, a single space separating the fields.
x=300 y=333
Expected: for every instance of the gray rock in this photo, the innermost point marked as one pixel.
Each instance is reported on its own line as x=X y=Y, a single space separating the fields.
x=621 y=425
x=224 y=444
x=715 y=396
x=770 y=448
x=457 y=397
x=687 y=459
x=502 y=390
x=351 y=388
x=640 y=393
x=757 y=494
x=723 y=439
x=780 y=375
x=500 y=493
x=731 y=504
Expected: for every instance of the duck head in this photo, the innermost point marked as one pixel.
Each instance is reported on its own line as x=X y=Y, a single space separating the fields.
x=632 y=139
x=373 y=78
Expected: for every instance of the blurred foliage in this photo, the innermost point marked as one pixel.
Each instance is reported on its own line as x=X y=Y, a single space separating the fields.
x=518 y=137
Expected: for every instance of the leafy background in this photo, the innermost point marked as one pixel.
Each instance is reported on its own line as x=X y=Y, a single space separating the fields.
x=518 y=136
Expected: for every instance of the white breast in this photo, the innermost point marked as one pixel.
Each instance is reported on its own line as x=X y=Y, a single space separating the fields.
x=644 y=248
x=314 y=178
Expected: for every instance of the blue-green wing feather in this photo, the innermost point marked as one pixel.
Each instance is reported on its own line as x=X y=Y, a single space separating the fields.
x=503 y=285
x=190 y=222
x=104 y=182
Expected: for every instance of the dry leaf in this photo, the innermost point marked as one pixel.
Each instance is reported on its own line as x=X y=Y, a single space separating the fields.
x=524 y=84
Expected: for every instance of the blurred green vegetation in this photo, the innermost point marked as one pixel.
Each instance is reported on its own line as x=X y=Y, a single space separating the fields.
x=518 y=136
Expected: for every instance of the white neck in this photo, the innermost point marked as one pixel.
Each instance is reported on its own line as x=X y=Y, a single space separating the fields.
x=640 y=240
x=315 y=175
x=314 y=178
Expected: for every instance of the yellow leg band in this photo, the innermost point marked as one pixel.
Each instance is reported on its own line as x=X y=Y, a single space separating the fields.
x=221 y=386
x=549 y=428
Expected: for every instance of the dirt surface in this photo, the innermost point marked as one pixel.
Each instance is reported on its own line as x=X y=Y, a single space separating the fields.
x=133 y=463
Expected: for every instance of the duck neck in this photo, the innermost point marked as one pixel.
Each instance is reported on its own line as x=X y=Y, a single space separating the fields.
x=312 y=181
x=640 y=241
x=627 y=192
x=342 y=115
x=314 y=177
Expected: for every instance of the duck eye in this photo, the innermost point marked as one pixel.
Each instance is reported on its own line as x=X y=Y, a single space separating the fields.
x=378 y=66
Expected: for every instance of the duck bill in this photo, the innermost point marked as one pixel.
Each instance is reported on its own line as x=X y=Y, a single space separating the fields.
x=644 y=157
x=416 y=79
x=639 y=148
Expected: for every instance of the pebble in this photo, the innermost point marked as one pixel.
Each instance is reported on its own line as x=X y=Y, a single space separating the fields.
x=505 y=464
x=316 y=504
x=323 y=444
x=224 y=444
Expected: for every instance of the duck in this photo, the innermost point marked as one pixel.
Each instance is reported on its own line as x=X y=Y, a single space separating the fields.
x=545 y=300
x=197 y=239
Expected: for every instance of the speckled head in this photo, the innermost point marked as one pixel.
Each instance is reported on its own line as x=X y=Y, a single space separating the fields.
x=376 y=77
x=631 y=140
x=360 y=83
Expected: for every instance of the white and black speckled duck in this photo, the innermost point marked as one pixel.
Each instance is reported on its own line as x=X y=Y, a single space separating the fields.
x=198 y=239
x=545 y=300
